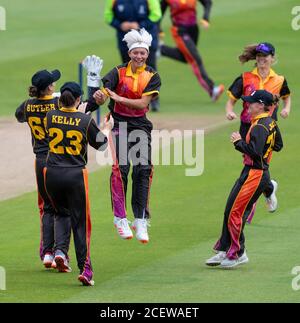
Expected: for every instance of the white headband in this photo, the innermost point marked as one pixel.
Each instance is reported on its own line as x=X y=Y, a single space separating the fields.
x=138 y=39
x=139 y=45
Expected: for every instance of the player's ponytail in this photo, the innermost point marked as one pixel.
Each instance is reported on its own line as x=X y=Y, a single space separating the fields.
x=248 y=54
x=276 y=99
x=67 y=99
x=33 y=91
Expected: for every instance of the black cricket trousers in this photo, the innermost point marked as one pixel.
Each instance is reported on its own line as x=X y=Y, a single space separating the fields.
x=45 y=208
x=245 y=192
x=68 y=191
x=131 y=145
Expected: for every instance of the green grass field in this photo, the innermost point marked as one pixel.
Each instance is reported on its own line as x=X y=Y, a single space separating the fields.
x=187 y=212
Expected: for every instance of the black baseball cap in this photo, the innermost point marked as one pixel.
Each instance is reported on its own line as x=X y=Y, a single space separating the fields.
x=259 y=96
x=43 y=78
x=265 y=48
x=73 y=87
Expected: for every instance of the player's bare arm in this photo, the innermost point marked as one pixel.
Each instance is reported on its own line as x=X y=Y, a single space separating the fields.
x=286 y=107
x=230 y=114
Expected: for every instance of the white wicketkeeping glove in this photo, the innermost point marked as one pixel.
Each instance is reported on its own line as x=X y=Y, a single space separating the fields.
x=93 y=65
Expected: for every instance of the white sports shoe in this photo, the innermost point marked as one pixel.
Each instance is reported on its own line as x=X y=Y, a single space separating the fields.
x=272 y=199
x=122 y=226
x=217 y=92
x=217 y=259
x=48 y=260
x=62 y=263
x=231 y=263
x=141 y=231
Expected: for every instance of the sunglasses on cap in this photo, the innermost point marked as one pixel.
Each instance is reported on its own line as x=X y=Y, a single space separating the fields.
x=265 y=48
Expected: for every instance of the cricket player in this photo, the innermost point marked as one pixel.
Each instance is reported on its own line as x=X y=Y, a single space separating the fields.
x=33 y=111
x=185 y=31
x=66 y=178
x=262 y=77
x=125 y=15
x=131 y=87
x=261 y=140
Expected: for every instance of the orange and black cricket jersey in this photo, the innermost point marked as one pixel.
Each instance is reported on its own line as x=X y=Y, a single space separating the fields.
x=146 y=81
x=262 y=139
x=248 y=82
x=69 y=133
x=33 y=111
x=184 y=12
